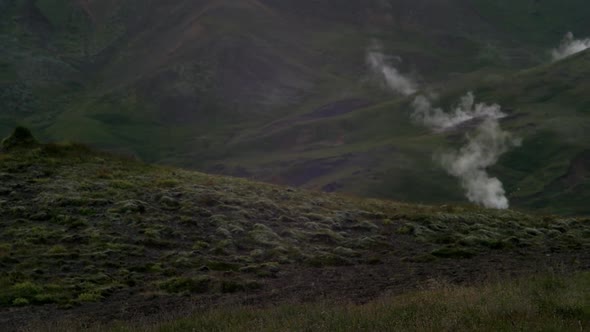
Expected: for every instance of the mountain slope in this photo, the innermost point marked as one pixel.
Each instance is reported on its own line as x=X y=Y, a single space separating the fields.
x=80 y=227
x=203 y=83
x=377 y=150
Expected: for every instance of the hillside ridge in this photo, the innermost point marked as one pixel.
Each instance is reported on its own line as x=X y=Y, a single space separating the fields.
x=93 y=233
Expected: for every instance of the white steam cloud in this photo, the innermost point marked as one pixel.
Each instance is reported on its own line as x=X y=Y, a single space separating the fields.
x=482 y=150
x=381 y=66
x=467 y=110
x=484 y=146
x=570 y=46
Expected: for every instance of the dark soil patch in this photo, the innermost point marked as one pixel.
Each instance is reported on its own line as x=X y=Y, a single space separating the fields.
x=307 y=171
x=338 y=108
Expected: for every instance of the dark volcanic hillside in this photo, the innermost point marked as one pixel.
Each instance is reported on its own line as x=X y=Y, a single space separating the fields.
x=217 y=85
x=380 y=151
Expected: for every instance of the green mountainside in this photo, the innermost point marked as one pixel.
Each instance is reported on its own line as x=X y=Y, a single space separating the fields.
x=280 y=92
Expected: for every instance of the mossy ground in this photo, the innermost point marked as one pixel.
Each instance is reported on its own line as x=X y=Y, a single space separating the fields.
x=81 y=227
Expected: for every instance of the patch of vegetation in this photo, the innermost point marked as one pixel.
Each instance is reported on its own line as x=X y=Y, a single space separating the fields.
x=199 y=284
x=27 y=292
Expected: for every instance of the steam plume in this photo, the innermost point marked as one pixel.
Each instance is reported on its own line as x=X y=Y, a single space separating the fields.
x=484 y=146
x=467 y=110
x=569 y=46
x=482 y=150
x=381 y=66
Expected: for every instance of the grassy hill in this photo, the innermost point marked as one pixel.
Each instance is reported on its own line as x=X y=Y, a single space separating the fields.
x=280 y=92
x=89 y=237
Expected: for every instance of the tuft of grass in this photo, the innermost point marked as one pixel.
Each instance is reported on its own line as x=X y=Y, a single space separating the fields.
x=90 y=297
x=181 y=285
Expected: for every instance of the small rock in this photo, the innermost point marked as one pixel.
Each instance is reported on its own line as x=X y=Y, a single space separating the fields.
x=169 y=203
x=223 y=232
x=40 y=216
x=131 y=206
